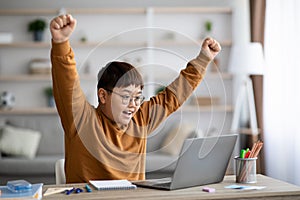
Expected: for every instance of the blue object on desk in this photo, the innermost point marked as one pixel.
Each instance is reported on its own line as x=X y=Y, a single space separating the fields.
x=36 y=190
x=70 y=191
x=19 y=186
x=78 y=190
x=88 y=189
x=245 y=187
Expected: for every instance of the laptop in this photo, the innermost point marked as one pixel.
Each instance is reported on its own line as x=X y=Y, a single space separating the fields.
x=201 y=161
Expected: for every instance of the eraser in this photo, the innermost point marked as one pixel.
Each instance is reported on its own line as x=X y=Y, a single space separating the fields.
x=208 y=189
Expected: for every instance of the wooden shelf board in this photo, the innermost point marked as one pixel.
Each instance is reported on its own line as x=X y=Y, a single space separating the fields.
x=106 y=10
x=43 y=111
x=141 y=10
x=225 y=10
x=26 y=45
x=73 y=11
x=32 y=77
x=223 y=75
x=28 y=111
x=84 y=77
x=74 y=44
x=39 y=11
x=25 y=77
x=187 y=43
x=208 y=108
x=106 y=44
x=209 y=76
x=247 y=131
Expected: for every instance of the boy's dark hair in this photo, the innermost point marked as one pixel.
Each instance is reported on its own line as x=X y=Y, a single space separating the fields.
x=119 y=74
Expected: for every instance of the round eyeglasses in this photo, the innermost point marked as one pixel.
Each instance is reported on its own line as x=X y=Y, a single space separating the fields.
x=126 y=99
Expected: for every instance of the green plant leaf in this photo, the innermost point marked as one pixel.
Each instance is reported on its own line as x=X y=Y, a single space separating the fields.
x=37 y=25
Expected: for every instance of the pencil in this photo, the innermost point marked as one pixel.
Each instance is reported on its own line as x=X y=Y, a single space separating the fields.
x=247 y=168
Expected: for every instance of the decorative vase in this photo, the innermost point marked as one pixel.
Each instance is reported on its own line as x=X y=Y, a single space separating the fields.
x=51 y=102
x=38 y=36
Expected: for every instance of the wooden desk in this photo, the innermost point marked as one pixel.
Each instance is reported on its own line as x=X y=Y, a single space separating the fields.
x=275 y=189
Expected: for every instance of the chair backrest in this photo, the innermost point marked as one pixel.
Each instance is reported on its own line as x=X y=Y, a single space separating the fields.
x=60 y=177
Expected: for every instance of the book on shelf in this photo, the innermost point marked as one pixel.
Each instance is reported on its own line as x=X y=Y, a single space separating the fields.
x=34 y=193
x=112 y=184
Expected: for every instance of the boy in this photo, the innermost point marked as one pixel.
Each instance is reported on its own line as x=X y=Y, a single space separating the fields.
x=109 y=142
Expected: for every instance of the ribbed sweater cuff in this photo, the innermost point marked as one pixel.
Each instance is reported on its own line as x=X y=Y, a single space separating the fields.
x=201 y=62
x=60 y=49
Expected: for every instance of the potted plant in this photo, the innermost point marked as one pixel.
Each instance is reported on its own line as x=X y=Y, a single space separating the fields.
x=208 y=26
x=49 y=94
x=37 y=26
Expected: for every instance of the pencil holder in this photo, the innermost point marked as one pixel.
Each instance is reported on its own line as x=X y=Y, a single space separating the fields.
x=245 y=170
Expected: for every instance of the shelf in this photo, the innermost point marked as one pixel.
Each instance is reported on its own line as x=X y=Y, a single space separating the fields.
x=188 y=43
x=142 y=10
x=28 y=12
x=26 y=45
x=176 y=10
x=248 y=131
x=30 y=77
x=73 y=11
x=107 y=44
x=51 y=111
x=29 y=111
x=214 y=75
x=74 y=44
x=208 y=108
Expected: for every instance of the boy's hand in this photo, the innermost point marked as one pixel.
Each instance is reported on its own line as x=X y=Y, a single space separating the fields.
x=210 y=47
x=61 y=28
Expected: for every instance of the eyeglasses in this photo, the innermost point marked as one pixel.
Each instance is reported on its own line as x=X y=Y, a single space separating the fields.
x=126 y=99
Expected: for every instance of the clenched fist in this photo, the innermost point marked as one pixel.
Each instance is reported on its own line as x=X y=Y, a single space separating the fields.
x=61 y=28
x=210 y=47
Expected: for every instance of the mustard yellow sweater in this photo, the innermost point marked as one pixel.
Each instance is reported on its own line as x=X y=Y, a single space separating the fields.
x=95 y=147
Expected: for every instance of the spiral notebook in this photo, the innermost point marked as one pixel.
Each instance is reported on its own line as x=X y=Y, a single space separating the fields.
x=112 y=184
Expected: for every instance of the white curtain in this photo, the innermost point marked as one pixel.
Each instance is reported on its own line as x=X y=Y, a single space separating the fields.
x=282 y=90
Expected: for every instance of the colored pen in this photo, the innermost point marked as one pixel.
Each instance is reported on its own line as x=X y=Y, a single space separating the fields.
x=70 y=191
x=247 y=154
x=78 y=190
x=88 y=189
x=242 y=153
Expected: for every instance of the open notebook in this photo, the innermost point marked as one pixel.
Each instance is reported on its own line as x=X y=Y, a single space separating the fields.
x=112 y=184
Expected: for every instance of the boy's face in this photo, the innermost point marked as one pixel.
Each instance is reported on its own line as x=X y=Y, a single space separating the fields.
x=123 y=103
